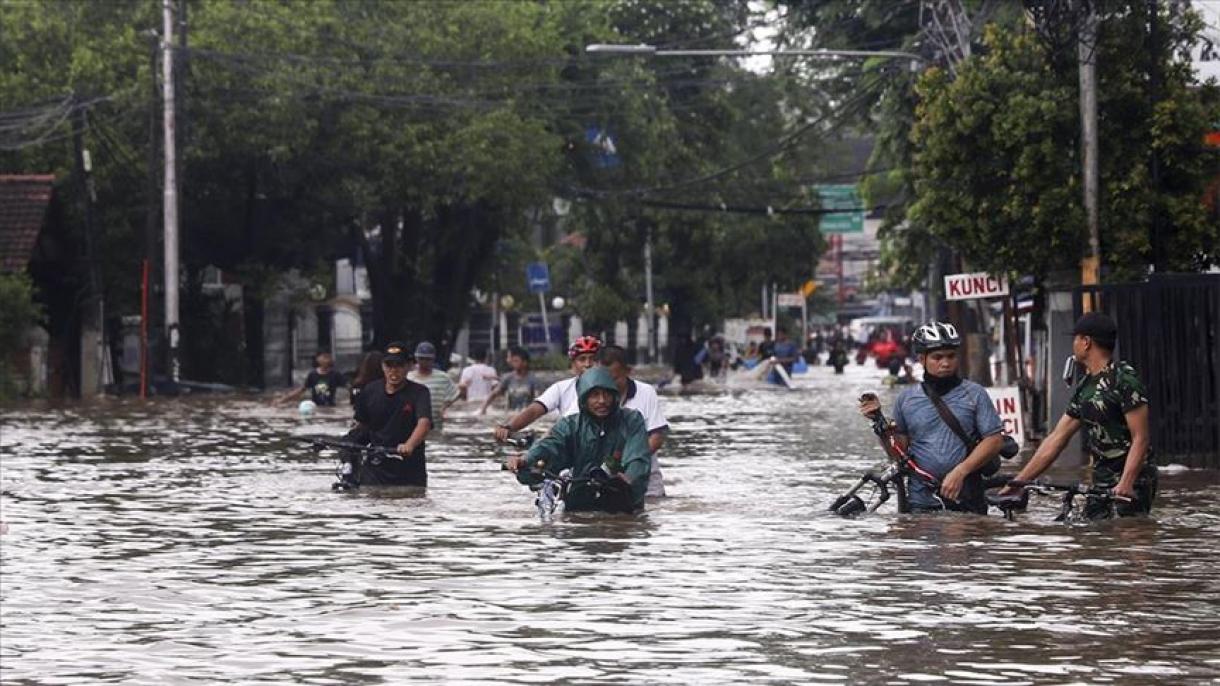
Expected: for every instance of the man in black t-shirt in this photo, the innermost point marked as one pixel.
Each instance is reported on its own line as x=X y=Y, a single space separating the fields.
x=395 y=413
x=322 y=383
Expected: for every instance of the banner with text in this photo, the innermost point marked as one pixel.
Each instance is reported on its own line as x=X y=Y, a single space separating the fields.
x=1007 y=401
x=974 y=285
x=790 y=300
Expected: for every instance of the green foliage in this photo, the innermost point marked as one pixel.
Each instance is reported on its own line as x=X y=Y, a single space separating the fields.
x=428 y=134
x=18 y=309
x=997 y=163
x=18 y=312
x=981 y=156
x=994 y=165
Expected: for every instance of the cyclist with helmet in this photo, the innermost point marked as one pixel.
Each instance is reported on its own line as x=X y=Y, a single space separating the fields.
x=561 y=396
x=935 y=445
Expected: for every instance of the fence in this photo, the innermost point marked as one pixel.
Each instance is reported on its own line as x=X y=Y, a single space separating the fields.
x=1169 y=329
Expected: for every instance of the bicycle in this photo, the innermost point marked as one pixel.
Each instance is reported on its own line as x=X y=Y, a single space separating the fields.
x=351 y=455
x=1097 y=497
x=606 y=493
x=901 y=466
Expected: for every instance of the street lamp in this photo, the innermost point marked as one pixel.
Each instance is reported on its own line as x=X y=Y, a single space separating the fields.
x=645 y=50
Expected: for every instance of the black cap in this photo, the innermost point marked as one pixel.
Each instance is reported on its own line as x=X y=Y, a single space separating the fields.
x=396 y=351
x=1096 y=325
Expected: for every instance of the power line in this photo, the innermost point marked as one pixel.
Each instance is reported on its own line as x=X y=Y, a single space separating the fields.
x=758 y=209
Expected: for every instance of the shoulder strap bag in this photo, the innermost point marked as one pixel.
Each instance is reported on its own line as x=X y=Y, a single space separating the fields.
x=950 y=419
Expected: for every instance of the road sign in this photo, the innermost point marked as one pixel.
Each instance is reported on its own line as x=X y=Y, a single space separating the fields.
x=974 y=286
x=538 y=277
x=847 y=210
x=605 y=149
x=790 y=300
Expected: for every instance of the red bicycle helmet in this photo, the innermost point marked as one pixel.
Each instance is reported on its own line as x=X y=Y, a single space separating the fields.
x=583 y=346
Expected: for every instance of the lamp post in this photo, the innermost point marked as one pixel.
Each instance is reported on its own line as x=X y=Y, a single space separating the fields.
x=645 y=50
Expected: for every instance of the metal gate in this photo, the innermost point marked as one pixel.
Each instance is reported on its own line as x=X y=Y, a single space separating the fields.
x=1169 y=329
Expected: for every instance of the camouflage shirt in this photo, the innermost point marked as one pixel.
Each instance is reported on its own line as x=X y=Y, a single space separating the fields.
x=1101 y=402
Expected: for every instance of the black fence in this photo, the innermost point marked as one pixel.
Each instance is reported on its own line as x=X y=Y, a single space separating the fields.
x=1169 y=329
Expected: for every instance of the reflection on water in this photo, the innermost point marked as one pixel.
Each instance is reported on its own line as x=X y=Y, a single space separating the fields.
x=196 y=541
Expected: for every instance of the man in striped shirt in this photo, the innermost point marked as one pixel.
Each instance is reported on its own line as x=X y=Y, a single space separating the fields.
x=444 y=392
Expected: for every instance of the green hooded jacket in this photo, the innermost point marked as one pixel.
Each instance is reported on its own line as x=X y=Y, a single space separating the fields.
x=581 y=441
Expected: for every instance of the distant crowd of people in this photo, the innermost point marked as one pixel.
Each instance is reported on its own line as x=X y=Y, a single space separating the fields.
x=714 y=356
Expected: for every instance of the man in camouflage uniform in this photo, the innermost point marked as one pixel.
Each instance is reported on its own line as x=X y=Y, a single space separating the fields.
x=1112 y=404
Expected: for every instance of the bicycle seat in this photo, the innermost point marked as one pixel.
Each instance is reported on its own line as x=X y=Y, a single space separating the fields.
x=1016 y=503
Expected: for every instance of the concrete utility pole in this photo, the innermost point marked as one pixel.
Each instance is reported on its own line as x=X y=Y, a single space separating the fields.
x=1090 y=266
x=95 y=372
x=172 y=329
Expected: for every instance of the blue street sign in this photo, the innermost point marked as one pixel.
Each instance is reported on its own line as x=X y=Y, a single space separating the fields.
x=605 y=149
x=538 y=277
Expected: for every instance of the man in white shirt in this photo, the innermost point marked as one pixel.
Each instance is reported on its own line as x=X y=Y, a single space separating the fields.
x=643 y=398
x=560 y=396
x=478 y=379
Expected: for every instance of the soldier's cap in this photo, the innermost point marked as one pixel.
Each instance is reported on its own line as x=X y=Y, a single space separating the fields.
x=1096 y=325
x=396 y=352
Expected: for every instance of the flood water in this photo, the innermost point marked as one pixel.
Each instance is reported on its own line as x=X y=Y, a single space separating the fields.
x=194 y=541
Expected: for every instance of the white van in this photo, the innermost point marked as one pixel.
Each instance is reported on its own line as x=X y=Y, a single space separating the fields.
x=862 y=327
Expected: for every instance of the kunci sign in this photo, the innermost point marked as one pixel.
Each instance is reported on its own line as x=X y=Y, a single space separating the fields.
x=972 y=286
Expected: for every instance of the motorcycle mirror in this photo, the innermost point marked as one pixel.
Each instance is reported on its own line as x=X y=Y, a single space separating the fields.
x=1070 y=369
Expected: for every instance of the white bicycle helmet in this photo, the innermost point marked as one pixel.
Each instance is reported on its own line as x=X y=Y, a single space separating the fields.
x=935 y=336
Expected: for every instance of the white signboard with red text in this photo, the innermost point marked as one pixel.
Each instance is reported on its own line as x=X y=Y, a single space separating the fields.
x=1007 y=401
x=976 y=285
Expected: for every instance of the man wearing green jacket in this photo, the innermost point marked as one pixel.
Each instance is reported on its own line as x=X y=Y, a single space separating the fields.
x=603 y=435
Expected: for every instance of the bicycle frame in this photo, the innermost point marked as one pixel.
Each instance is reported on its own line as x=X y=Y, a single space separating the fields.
x=901 y=465
x=344 y=467
x=1010 y=505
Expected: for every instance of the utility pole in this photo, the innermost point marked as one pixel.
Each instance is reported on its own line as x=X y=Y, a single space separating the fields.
x=172 y=328
x=1090 y=266
x=1154 y=164
x=150 y=220
x=93 y=354
x=650 y=305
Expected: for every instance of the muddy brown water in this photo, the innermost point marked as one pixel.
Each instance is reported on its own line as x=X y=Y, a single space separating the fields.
x=194 y=541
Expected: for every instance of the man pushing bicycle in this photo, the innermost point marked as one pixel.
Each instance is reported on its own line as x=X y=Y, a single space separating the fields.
x=604 y=448
x=949 y=425
x=1111 y=403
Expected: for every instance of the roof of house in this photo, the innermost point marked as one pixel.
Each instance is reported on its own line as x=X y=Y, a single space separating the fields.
x=23 y=208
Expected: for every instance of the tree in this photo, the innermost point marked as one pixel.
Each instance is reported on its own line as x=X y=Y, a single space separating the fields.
x=996 y=156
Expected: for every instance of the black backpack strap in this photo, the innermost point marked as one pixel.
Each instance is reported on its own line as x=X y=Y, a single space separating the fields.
x=948 y=417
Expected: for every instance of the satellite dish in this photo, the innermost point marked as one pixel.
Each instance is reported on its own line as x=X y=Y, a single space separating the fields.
x=317 y=292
